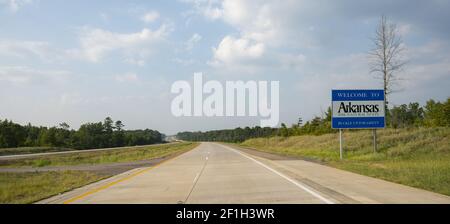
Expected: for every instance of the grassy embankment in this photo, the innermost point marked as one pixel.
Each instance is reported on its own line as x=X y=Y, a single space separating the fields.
x=34 y=186
x=417 y=157
x=22 y=188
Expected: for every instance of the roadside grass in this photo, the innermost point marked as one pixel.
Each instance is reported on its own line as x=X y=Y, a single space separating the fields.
x=418 y=157
x=128 y=154
x=29 y=150
x=24 y=188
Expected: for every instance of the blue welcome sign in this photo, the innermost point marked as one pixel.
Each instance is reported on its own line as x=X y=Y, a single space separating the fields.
x=353 y=109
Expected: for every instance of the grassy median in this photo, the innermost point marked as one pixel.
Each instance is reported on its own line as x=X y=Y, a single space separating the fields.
x=22 y=188
x=129 y=154
x=418 y=157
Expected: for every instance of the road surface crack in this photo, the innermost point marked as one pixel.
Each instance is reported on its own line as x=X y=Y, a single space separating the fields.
x=196 y=180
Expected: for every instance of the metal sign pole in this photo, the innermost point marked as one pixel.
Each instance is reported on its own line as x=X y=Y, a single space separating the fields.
x=340 y=144
x=374 y=140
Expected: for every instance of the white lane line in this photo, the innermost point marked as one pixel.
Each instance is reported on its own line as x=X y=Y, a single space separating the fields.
x=196 y=177
x=312 y=192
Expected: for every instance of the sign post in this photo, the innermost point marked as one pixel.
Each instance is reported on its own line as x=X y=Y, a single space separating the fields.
x=357 y=109
x=341 y=151
x=374 y=140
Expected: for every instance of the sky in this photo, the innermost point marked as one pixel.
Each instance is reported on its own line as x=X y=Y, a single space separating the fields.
x=81 y=61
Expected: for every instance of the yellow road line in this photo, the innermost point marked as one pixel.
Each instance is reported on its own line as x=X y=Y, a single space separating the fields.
x=117 y=181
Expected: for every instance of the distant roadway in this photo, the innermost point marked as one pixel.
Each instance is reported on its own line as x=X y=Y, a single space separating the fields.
x=31 y=155
x=216 y=173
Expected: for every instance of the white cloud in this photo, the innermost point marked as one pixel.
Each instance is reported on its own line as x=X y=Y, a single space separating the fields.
x=213 y=13
x=434 y=49
x=418 y=74
x=15 y=5
x=237 y=50
x=207 y=8
x=427 y=62
x=192 y=41
x=23 y=74
x=184 y=62
x=134 y=61
x=18 y=48
x=70 y=98
x=245 y=55
x=128 y=77
x=292 y=61
x=97 y=43
x=24 y=49
x=150 y=17
x=264 y=28
x=262 y=21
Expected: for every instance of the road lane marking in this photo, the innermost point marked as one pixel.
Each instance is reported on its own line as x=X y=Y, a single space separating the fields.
x=195 y=179
x=310 y=191
x=106 y=186
x=95 y=190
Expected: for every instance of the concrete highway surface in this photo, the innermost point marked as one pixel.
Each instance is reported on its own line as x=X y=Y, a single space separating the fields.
x=215 y=173
x=43 y=154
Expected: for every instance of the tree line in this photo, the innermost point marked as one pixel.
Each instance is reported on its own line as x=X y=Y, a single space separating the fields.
x=232 y=135
x=432 y=114
x=104 y=134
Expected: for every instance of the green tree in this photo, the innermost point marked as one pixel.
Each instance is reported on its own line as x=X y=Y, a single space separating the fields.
x=118 y=135
x=284 y=132
x=437 y=113
x=119 y=125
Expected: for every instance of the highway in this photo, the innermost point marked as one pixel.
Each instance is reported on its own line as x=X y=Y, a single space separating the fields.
x=33 y=155
x=215 y=173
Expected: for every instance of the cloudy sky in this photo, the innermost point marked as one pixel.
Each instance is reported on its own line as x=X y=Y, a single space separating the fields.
x=80 y=61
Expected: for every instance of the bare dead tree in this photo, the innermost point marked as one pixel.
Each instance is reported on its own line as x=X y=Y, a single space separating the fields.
x=386 y=56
